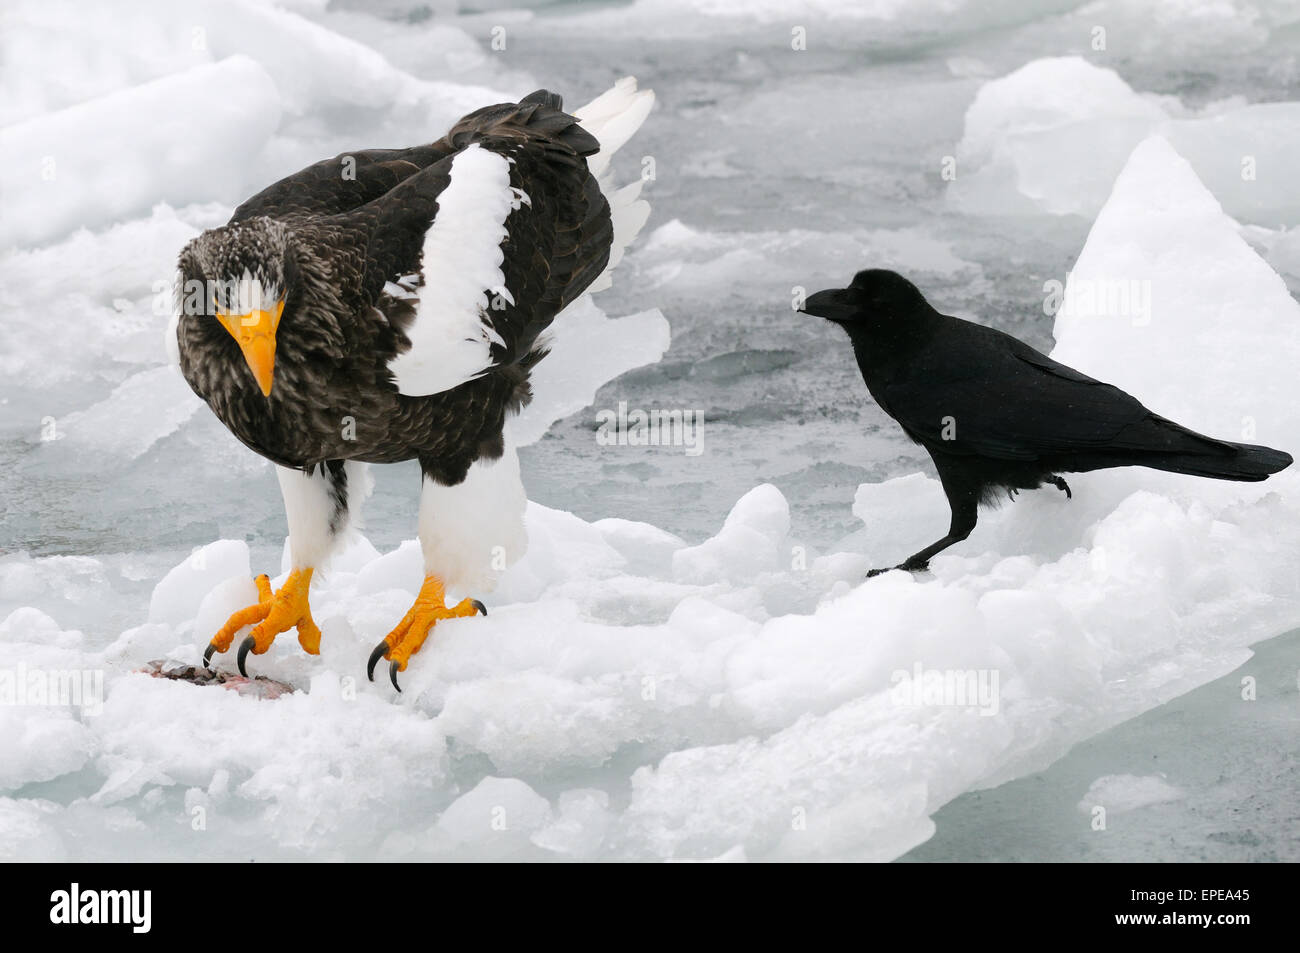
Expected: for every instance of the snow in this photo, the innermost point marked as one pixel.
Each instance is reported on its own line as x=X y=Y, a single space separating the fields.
x=738 y=703
x=67 y=182
x=748 y=544
x=1056 y=130
x=1053 y=134
x=1252 y=179
x=494 y=819
x=140 y=411
x=179 y=593
x=1121 y=793
x=38 y=746
x=1189 y=27
x=105 y=55
x=581 y=825
x=567 y=381
x=1164 y=230
x=894 y=18
x=26 y=623
x=687 y=664
x=291 y=48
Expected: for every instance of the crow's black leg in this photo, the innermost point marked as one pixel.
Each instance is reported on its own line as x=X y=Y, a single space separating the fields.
x=964 y=502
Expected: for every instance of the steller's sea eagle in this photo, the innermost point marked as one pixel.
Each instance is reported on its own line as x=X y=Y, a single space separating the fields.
x=389 y=304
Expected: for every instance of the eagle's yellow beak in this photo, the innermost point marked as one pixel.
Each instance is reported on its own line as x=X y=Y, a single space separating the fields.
x=254 y=332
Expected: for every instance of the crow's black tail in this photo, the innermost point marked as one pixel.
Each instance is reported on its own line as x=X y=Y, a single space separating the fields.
x=1161 y=444
x=1248 y=463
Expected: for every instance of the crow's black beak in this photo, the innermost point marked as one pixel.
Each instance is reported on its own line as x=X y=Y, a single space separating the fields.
x=831 y=305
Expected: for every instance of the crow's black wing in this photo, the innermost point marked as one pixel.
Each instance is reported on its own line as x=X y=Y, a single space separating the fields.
x=977 y=391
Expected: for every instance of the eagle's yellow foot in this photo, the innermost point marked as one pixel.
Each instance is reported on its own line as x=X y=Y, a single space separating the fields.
x=404 y=641
x=274 y=613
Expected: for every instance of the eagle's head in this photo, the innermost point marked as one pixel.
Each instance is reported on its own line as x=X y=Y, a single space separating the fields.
x=241 y=275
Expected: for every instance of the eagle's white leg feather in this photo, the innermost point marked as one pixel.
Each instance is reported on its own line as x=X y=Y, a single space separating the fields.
x=319 y=510
x=472 y=531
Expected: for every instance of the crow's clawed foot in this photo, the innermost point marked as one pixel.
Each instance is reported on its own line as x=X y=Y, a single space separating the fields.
x=1011 y=493
x=406 y=639
x=1061 y=485
x=906 y=566
x=274 y=613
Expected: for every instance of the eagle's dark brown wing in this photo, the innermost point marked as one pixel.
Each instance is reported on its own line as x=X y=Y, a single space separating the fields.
x=340 y=184
x=472 y=257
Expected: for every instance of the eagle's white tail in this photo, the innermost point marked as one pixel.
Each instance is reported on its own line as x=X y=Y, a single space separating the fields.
x=568 y=379
x=613 y=117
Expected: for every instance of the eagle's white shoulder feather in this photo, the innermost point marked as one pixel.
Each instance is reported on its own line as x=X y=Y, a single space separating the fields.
x=450 y=337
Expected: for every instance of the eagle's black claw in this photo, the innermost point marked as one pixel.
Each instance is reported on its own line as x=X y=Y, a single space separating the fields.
x=482 y=609
x=375 y=656
x=392 y=675
x=207 y=655
x=1060 y=484
x=245 y=647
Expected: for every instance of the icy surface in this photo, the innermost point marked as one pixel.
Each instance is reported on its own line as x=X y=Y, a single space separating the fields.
x=150 y=126
x=1226 y=748
x=1164 y=238
x=687 y=664
x=1054 y=133
x=1056 y=130
x=1119 y=793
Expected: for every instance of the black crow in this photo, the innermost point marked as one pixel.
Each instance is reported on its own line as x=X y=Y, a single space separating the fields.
x=998 y=416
